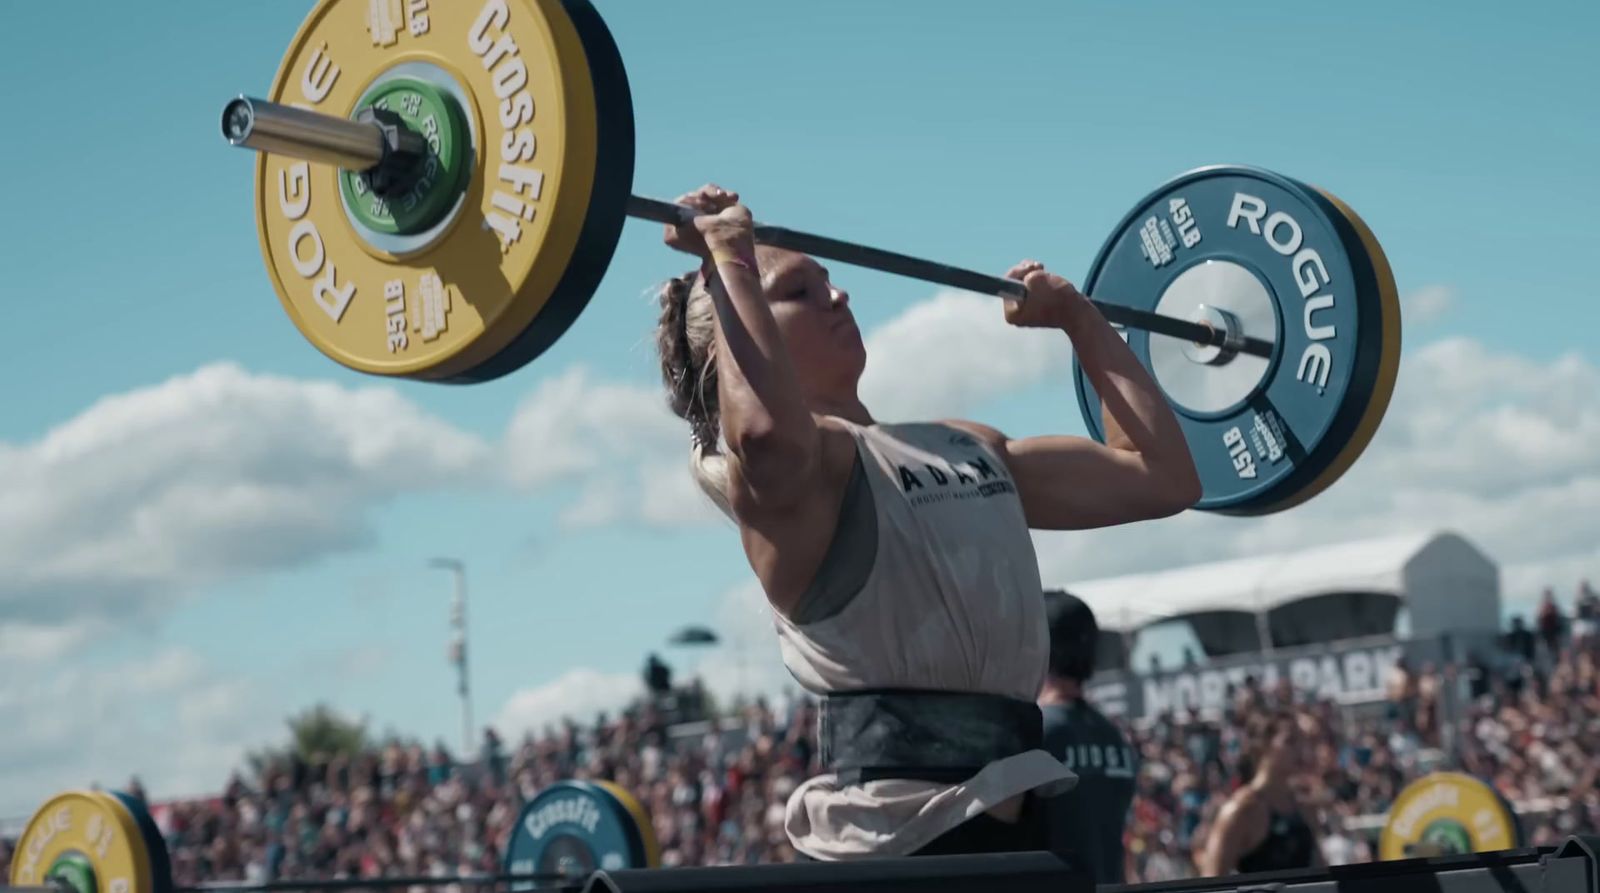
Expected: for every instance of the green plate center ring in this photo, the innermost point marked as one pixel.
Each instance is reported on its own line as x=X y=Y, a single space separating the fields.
x=76 y=870
x=441 y=176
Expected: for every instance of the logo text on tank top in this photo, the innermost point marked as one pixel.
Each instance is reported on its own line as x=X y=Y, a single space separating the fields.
x=1112 y=761
x=942 y=480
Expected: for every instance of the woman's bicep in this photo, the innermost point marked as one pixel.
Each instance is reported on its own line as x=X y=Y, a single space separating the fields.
x=1069 y=483
x=1074 y=483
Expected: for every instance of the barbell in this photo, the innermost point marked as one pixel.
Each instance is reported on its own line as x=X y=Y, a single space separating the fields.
x=440 y=187
x=106 y=842
x=85 y=841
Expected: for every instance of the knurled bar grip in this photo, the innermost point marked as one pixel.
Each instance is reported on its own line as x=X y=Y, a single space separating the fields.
x=955 y=277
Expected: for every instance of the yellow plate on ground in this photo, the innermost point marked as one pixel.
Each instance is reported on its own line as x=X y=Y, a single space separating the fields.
x=1447 y=813
x=647 y=831
x=89 y=824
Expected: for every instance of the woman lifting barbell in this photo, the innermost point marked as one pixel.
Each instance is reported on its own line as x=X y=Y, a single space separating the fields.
x=897 y=557
x=1260 y=827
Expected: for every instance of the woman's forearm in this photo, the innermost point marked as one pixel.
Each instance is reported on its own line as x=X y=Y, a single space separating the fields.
x=1134 y=412
x=764 y=416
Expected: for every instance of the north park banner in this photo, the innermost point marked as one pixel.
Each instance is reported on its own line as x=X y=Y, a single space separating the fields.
x=1352 y=672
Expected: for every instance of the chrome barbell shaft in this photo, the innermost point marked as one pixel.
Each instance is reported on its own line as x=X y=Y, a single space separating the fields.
x=954 y=277
x=352 y=145
x=310 y=136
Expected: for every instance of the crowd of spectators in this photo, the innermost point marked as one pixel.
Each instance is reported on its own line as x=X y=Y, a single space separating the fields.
x=1529 y=724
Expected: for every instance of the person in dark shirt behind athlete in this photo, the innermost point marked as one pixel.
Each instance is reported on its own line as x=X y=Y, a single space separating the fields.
x=1261 y=826
x=1087 y=821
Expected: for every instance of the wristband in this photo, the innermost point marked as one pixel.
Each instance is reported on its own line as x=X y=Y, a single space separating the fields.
x=721 y=256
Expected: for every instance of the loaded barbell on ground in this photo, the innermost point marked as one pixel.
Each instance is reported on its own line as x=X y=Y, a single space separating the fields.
x=107 y=842
x=595 y=836
x=440 y=187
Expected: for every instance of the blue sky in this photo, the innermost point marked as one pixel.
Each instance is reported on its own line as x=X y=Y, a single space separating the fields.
x=976 y=134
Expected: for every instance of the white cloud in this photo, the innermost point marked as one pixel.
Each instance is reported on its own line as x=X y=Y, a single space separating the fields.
x=618 y=442
x=169 y=718
x=1427 y=304
x=744 y=661
x=652 y=491
x=203 y=477
x=579 y=694
x=573 y=424
x=1501 y=448
x=948 y=355
x=29 y=642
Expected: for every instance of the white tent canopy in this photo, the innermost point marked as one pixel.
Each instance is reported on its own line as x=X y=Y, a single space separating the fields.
x=1445 y=583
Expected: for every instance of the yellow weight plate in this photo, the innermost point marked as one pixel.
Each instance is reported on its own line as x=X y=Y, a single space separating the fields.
x=1447 y=813
x=90 y=825
x=421 y=308
x=1388 y=364
x=647 y=831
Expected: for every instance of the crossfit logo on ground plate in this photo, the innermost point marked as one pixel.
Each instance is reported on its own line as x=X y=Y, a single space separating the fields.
x=1447 y=813
x=576 y=810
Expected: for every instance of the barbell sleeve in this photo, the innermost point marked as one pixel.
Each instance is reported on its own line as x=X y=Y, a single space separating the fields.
x=311 y=136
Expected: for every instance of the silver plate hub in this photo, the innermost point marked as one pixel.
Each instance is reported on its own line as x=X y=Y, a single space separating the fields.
x=1204 y=378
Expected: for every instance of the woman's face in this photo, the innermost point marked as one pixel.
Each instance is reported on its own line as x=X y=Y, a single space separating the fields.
x=814 y=318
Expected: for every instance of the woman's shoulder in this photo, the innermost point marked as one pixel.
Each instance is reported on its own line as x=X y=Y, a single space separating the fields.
x=951 y=437
x=988 y=436
x=1245 y=804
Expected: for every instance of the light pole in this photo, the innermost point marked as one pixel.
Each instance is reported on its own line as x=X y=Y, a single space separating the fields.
x=458 y=646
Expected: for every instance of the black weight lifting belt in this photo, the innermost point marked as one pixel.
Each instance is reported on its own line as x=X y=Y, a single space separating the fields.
x=936 y=736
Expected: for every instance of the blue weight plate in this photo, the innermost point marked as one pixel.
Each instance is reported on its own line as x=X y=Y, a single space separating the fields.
x=574 y=828
x=1377 y=362
x=1272 y=259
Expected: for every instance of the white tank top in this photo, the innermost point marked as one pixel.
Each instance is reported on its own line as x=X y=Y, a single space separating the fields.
x=953 y=601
